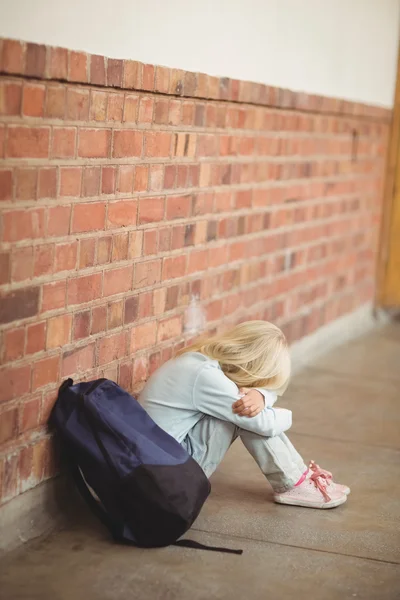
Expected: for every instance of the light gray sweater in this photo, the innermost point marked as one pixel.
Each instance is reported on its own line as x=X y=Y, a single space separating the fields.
x=185 y=388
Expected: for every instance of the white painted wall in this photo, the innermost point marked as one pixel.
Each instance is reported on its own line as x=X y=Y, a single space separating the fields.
x=342 y=48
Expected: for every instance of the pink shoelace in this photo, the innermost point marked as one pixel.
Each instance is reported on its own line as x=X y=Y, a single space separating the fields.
x=321 y=479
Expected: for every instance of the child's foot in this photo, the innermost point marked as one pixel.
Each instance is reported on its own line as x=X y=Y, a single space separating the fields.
x=312 y=493
x=330 y=484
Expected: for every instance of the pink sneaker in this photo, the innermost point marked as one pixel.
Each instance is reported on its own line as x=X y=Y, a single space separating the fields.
x=330 y=484
x=312 y=493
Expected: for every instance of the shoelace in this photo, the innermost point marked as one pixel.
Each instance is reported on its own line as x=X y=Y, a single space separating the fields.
x=321 y=479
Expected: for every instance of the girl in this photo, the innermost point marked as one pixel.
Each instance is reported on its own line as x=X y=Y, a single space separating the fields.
x=223 y=388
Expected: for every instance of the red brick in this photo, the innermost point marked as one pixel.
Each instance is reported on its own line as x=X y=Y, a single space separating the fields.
x=45 y=372
x=127 y=143
x=170 y=176
x=70 y=181
x=8 y=425
x=97 y=70
x=43 y=259
x=14 y=342
x=5 y=267
x=58 y=63
x=6 y=184
x=120 y=246
x=21 y=225
x=78 y=360
x=188 y=111
x=64 y=142
x=94 y=143
x=132 y=73
x=77 y=68
x=65 y=257
x=130 y=108
x=47 y=184
x=77 y=108
x=174 y=116
x=125 y=375
x=22 y=263
x=115 y=314
x=122 y=213
x=148 y=75
x=58 y=220
x=219 y=256
x=176 y=81
x=141 y=178
x=111 y=348
x=198 y=261
x=19 y=304
x=88 y=217
x=146 y=108
x=54 y=295
x=58 y=331
x=55 y=102
x=135 y=244
x=14 y=382
x=114 y=72
x=12 y=59
x=33 y=100
x=91 y=181
x=26 y=184
x=143 y=336
x=140 y=371
x=178 y=207
x=174 y=266
x=10 y=98
x=161 y=112
x=87 y=252
x=126 y=175
x=2 y=140
x=169 y=328
x=131 y=309
x=108 y=180
x=147 y=273
x=28 y=142
x=99 y=319
x=84 y=289
x=162 y=80
x=104 y=250
x=30 y=413
x=115 y=107
x=151 y=210
x=157 y=144
x=98 y=106
x=156 y=178
x=150 y=242
x=36 y=338
x=81 y=325
x=117 y=281
x=35 y=60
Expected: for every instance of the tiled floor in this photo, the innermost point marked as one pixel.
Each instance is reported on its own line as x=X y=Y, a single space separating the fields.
x=347 y=417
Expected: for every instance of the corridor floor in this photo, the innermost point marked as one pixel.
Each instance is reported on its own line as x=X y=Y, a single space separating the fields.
x=346 y=417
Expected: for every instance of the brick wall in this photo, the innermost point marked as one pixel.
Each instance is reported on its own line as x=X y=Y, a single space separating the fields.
x=128 y=189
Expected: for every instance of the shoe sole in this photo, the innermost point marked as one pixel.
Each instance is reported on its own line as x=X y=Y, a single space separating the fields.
x=324 y=505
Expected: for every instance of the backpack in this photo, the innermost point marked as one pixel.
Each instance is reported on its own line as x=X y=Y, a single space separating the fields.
x=149 y=490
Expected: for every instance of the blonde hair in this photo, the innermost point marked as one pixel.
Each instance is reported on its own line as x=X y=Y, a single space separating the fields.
x=252 y=354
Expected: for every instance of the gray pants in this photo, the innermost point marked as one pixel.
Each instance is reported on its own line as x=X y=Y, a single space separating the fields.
x=210 y=439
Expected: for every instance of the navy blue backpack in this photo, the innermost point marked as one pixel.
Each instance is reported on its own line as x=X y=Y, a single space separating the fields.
x=149 y=490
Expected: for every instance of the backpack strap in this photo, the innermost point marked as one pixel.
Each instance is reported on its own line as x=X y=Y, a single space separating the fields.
x=198 y=546
x=112 y=525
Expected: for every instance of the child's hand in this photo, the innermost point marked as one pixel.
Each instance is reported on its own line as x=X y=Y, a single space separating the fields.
x=251 y=403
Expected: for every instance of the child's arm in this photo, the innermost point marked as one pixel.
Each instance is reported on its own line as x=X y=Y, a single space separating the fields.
x=214 y=394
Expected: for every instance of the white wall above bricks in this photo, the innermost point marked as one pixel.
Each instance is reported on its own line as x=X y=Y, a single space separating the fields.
x=337 y=48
